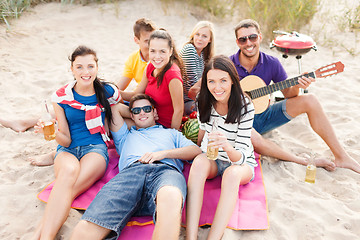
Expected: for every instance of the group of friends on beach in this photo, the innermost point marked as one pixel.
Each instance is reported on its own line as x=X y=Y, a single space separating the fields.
x=144 y=124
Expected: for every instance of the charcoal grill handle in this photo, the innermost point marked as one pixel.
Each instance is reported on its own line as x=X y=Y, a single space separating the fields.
x=272 y=45
x=281 y=32
x=295 y=33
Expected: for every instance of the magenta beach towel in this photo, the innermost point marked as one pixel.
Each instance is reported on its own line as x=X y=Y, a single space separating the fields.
x=83 y=201
x=250 y=212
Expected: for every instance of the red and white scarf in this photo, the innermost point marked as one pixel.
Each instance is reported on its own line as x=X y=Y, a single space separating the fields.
x=93 y=118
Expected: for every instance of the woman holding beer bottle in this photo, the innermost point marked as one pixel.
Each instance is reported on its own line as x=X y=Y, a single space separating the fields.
x=221 y=102
x=81 y=108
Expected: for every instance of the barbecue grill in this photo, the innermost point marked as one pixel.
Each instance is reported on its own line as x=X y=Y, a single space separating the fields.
x=293 y=43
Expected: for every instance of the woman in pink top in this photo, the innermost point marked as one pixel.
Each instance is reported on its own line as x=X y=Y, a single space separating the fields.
x=162 y=80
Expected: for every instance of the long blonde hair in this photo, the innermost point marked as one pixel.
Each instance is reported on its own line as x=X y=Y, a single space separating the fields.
x=209 y=50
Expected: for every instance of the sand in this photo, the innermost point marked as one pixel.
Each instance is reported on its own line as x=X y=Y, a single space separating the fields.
x=33 y=63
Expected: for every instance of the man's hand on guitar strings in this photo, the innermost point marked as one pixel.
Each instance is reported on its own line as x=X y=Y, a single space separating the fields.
x=304 y=82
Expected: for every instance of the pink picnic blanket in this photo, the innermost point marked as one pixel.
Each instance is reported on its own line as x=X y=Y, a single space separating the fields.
x=250 y=212
x=83 y=201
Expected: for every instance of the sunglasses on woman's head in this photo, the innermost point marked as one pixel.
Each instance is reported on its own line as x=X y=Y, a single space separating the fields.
x=137 y=110
x=252 y=38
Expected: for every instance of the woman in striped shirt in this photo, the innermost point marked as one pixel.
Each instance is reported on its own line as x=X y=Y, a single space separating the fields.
x=195 y=53
x=221 y=100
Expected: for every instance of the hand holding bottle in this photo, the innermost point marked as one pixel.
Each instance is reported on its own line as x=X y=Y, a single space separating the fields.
x=212 y=149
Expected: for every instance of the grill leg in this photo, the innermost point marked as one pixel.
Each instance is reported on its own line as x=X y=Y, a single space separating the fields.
x=298 y=57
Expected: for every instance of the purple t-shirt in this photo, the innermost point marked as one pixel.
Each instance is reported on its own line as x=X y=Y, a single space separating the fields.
x=268 y=68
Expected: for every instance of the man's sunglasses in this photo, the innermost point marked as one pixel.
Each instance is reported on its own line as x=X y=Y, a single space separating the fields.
x=137 y=110
x=252 y=38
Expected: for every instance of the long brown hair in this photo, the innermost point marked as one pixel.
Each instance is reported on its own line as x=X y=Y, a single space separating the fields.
x=237 y=104
x=98 y=83
x=174 y=58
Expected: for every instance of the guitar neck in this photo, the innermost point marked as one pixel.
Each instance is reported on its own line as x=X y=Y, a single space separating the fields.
x=259 y=92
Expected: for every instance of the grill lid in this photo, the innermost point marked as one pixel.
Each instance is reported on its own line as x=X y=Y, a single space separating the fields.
x=293 y=40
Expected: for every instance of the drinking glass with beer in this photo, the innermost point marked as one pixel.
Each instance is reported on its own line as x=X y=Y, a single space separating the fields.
x=212 y=151
x=49 y=125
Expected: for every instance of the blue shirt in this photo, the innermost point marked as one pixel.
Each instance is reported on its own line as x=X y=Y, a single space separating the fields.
x=268 y=68
x=134 y=143
x=80 y=134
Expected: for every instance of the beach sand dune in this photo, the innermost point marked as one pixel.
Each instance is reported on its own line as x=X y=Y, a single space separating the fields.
x=33 y=63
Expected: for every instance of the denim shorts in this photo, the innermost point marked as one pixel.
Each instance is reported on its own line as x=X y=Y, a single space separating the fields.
x=274 y=116
x=222 y=165
x=81 y=151
x=132 y=192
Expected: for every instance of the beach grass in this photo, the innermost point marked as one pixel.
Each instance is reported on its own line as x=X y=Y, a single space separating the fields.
x=351 y=19
x=282 y=13
x=10 y=9
x=14 y=8
x=218 y=8
x=285 y=15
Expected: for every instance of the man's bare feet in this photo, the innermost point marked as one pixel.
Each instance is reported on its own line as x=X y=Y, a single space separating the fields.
x=320 y=162
x=348 y=162
x=19 y=125
x=325 y=163
x=43 y=160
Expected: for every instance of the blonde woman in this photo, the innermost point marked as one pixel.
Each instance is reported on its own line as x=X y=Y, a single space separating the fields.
x=195 y=54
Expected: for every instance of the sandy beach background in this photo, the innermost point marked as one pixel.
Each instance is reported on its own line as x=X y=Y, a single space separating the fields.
x=33 y=63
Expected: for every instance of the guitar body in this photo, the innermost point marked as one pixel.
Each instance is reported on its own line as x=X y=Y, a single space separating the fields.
x=252 y=82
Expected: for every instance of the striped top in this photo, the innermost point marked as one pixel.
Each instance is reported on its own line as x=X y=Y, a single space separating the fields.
x=194 y=67
x=238 y=135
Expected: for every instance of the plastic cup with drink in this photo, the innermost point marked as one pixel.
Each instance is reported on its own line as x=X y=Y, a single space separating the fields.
x=49 y=126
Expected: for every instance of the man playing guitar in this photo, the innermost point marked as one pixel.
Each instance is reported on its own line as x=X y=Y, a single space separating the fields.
x=250 y=61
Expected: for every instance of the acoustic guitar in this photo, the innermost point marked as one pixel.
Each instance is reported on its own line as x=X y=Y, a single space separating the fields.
x=256 y=88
